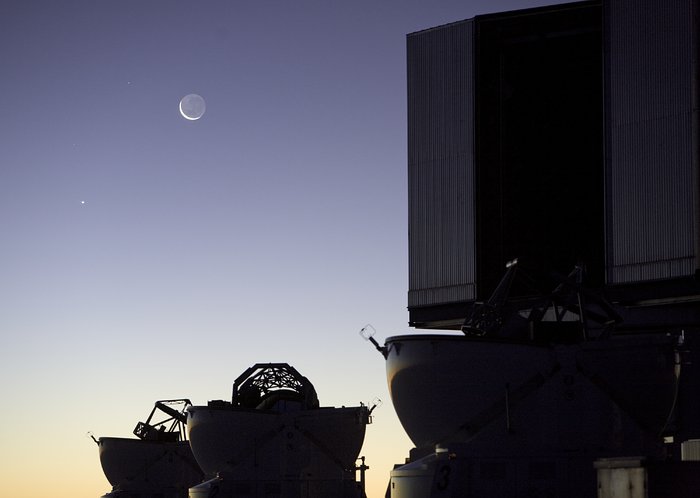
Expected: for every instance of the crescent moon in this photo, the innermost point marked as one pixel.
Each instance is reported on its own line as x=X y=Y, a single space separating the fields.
x=192 y=107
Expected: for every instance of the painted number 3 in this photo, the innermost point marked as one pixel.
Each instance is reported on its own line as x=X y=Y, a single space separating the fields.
x=443 y=477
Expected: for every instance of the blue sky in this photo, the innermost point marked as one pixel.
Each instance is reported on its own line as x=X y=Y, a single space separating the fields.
x=147 y=257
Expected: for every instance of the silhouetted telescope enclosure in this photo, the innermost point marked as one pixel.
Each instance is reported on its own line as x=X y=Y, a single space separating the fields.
x=561 y=136
x=554 y=219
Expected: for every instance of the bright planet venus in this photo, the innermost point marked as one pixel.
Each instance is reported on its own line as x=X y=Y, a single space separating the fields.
x=192 y=107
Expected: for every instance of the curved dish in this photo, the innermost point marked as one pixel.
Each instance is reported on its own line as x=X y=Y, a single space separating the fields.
x=607 y=396
x=135 y=464
x=251 y=444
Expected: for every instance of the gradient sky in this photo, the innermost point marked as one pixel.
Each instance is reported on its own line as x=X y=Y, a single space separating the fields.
x=145 y=257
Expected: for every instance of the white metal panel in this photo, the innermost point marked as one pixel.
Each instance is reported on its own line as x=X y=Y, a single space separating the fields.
x=441 y=165
x=651 y=172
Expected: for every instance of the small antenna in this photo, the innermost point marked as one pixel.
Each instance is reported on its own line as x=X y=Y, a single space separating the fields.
x=91 y=436
x=367 y=332
x=376 y=403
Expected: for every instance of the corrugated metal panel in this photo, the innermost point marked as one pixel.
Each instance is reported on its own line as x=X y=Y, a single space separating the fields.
x=650 y=172
x=441 y=165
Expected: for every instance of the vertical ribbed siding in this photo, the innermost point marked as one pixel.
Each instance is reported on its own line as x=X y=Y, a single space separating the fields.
x=650 y=191
x=441 y=165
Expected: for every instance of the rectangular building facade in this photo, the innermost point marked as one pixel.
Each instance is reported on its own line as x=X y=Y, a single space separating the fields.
x=441 y=165
x=561 y=136
x=651 y=106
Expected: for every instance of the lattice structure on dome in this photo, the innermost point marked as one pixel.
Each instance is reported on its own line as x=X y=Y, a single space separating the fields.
x=265 y=384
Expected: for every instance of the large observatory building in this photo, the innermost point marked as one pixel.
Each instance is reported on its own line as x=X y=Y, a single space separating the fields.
x=554 y=218
x=560 y=135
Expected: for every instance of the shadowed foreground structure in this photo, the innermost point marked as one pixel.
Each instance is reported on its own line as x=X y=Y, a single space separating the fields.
x=553 y=219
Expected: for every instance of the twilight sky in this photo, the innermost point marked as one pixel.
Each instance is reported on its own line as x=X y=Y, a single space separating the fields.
x=145 y=257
